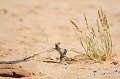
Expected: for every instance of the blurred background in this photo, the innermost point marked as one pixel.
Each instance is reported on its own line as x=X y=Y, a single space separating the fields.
x=36 y=25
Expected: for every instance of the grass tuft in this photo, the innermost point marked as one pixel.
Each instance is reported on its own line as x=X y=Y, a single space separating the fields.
x=97 y=44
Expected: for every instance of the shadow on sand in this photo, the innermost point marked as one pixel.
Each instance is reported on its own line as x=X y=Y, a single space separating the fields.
x=13 y=62
x=22 y=60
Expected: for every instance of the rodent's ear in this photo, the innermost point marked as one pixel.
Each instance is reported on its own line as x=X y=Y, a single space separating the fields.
x=59 y=43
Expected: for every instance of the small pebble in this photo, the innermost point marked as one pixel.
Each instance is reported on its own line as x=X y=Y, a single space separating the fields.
x=94 y=71
x=115 y=70
x=103 y=74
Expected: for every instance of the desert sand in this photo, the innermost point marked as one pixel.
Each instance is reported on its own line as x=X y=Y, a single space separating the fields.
x=28 y=27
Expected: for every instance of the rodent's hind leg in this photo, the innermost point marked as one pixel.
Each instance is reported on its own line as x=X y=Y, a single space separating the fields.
x=61 y=57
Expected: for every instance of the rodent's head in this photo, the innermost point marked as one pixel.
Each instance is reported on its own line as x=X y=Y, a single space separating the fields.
x=57 y=45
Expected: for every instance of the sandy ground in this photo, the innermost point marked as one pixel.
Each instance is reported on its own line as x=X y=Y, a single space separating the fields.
x=33 y=26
